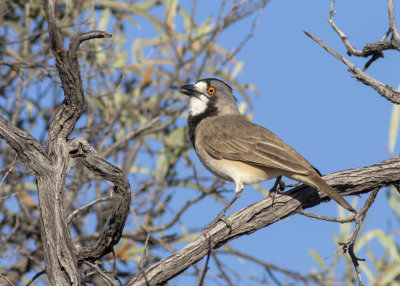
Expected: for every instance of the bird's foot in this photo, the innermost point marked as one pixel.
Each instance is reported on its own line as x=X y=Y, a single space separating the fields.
x=221 y=216
x=278 y=188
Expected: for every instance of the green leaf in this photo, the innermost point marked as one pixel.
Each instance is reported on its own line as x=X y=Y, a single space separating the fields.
x=238 y=68
x=138 y=9
x=170 y=12
x=391 y=275
x=318 y=259
x=177 y=138
x=187 y=20
x=394 y=127
x=105 y=18
x=120 y=59
x=394 y=201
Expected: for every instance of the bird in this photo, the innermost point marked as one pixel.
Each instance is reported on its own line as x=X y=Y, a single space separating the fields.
x=239 y=151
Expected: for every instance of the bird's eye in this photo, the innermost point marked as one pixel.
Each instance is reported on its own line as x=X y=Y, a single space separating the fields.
x=211 y=90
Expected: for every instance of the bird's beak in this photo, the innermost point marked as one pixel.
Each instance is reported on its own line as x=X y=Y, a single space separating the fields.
x=188 y=89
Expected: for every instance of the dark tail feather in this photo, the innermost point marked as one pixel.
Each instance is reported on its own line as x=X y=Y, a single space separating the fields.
x=332 y=193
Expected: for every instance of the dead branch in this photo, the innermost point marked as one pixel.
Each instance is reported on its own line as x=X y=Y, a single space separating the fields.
x=265 y=213
x=375 y=50
x=385 y=90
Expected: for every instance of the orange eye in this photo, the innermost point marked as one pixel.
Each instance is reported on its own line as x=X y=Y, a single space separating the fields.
x=211 y=90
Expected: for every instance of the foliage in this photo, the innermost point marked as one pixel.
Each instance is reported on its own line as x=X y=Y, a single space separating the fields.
x=133 y=118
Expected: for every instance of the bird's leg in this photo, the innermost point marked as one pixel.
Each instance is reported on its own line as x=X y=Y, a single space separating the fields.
x=221 y=216
x=275 y=189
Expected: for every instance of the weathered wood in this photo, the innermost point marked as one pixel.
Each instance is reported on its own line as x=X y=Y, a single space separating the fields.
x=121 y=199
x=265 y=213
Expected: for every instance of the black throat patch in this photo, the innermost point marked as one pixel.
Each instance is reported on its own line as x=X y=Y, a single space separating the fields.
x=193 y=121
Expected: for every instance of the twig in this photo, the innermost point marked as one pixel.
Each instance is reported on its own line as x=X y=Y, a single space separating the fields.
x=205 y=269
x=7 y=237
x=178 y=214
x=350 y=49
x=268 y=266
x=221 y=269
x=75 y=212
x=327 y=218
x=143 y=260
x=8 y=280
x=385 y=90
x=114 y=269
x=37 y=275
x=349 y=245
x=9 y=170
x=393 y=27
x=101 y=273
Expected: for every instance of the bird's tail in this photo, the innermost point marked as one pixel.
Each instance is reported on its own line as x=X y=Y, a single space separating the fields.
x=319 y=183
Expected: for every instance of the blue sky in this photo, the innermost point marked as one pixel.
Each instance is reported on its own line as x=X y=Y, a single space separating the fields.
x=309 y=99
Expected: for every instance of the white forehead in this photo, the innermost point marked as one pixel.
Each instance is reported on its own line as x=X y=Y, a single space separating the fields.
x=201 y=85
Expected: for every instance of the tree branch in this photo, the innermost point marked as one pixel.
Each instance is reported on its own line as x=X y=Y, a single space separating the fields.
x=121 y=199
x=393 y=27
x=385 y=90
x=265 y=213
x=28 y=149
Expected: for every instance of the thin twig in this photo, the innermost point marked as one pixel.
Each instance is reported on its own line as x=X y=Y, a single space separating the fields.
x=205 y=269
x=143 y=260
x=385 y=90
x=37 y=275
x=100 y=272
x=393 y=27
x=350 y=49
x=327 y=218
x=8 y=280
x=294 y=275
x=9 y=170
x=75 y=212
x=114 y=269
x=222 y=271
x=349 y=245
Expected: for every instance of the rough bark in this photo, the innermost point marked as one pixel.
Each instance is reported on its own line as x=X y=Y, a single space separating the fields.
x=264 y=213
x=49 y=166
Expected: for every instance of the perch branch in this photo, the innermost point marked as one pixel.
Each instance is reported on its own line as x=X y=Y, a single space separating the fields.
x=265 y=213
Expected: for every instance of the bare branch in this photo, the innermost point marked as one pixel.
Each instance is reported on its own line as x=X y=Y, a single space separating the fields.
x=37 y=275
x=77 y=211
x=7 y=280
x=78 y=40
x=326 y=218
x=385 y=90
x=205 y=269
x=393 y=27
x=349 y=245
x=28 y=149
x=264 y=213
x=121 y=199
x=268 y=266
x=101 y=273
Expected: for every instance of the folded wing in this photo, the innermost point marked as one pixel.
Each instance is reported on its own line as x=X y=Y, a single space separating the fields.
x=241 y=140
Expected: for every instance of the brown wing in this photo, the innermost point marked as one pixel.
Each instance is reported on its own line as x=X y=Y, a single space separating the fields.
x=234 y=138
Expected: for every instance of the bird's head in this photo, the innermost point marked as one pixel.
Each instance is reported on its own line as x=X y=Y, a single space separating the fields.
x=210 y=93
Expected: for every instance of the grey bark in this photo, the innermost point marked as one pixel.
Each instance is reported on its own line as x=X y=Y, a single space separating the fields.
x=265 y=213
x=49 y=166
